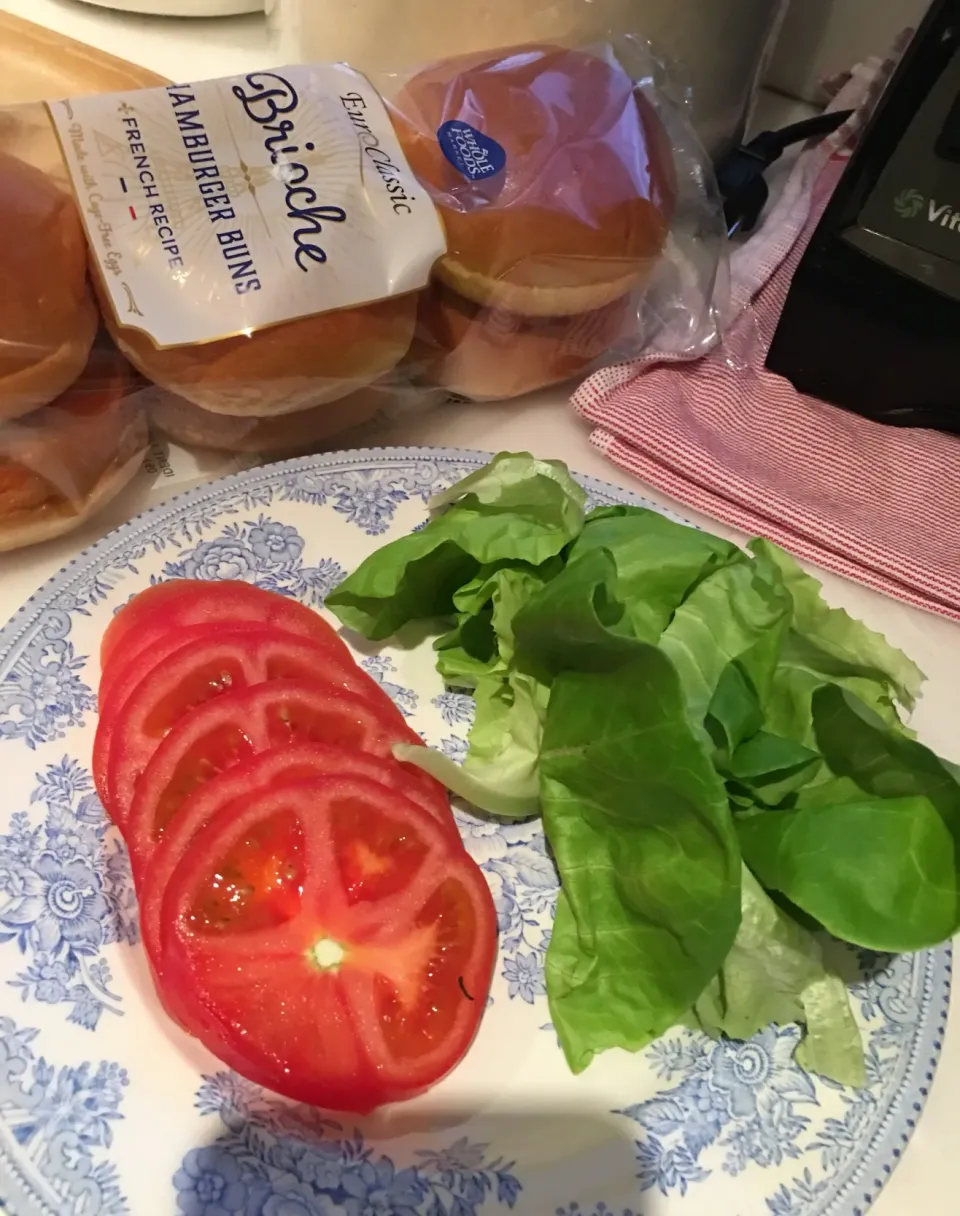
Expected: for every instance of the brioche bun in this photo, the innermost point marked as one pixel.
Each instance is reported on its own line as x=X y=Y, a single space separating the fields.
x=283 y=369
x=48 y=318
x=491 y=354
x=287 y=434
x=61 y=463
x=579 y=214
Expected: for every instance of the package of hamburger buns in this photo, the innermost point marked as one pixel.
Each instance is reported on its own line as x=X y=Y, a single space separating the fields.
x=264 y=263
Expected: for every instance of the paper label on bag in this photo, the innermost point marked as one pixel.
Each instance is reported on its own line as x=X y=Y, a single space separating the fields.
x=220 y=208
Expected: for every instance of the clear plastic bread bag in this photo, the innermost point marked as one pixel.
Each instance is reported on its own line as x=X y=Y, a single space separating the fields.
x=285 y=255
x=579 y=211
x=73 y=428
x=581 y=217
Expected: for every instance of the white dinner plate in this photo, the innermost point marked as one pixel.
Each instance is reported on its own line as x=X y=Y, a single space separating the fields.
x=107 y=1108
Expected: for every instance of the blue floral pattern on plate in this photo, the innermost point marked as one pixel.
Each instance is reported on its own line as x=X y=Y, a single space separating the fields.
x=157 y=1128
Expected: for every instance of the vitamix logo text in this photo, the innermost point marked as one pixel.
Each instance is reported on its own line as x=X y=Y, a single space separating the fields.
x=265 y=100
x=911 y=204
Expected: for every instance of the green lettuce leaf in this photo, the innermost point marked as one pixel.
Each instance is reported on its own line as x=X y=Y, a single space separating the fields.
x=826 y=646
x=516 y=509
x=775 y=972
x=640 y=826
x=412 y=578
x=482 y=643
x=574 y=622
x=861 y=747
x=871 y=851
x=854 y=649
x=771 y=768
x=541 y=491
x=658 y=563
x=501 y=774
x=879 y=873
x=725 y=641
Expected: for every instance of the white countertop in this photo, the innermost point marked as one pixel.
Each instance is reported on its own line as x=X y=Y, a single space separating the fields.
x=929 y=1176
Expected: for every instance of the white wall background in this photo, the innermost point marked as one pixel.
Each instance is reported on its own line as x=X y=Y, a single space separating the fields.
x=821 y=37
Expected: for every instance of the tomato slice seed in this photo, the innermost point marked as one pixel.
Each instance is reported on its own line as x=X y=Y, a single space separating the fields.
x=258 y=884
x=214 y=753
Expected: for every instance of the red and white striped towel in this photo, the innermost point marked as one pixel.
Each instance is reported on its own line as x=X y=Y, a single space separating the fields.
x=877 y=504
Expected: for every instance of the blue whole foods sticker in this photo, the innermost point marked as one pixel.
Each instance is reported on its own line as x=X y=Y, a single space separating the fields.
x=477 y=156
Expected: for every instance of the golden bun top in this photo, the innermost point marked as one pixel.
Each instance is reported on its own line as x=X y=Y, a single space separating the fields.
x=553 y=175
x=48 y=318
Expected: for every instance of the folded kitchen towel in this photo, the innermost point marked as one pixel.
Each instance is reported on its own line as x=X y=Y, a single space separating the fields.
x=877 y=504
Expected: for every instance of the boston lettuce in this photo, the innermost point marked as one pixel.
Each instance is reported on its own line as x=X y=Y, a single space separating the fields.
x=775 y=972
x=641 y=829
x=516 y=509
x=719 y=757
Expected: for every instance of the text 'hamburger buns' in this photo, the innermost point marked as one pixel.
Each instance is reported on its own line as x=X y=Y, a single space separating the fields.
x=48 y=318
x=566 y=183
x=285 y=368
x=62 y=462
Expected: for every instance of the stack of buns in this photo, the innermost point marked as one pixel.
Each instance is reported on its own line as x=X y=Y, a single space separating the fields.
x=71 y=431
x=554 y=180
x=283 y=389
x=553 y=229
x=546 y=264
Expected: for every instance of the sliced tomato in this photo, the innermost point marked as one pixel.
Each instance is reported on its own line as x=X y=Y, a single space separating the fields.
x=327 y=942
x=129 y=734
x=125 y=679
x=154 y=848
x=236 y=727
x=169 y=607
x=155 y=857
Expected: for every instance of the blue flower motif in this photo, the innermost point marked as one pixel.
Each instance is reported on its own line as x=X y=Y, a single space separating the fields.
x=210 y=1183
x=367 y=502
x=709 y=1105
x=50 y=978
x=742 y=1071
x=64 y=894
x=378 y=667
x=228 y=557
x=455 y=748
x=380 y=1189
x=61 y=903
x=43 y=693
x=600 y=1210
x=462 y=1157
x=291 y=1197
x=524 y=976
x=273 y=542
x=60 y=1117
x=456 y=708
x=306 y=486
x=486 y=839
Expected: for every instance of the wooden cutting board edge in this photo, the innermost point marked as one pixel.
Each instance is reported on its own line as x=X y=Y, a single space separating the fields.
x=77 y=62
